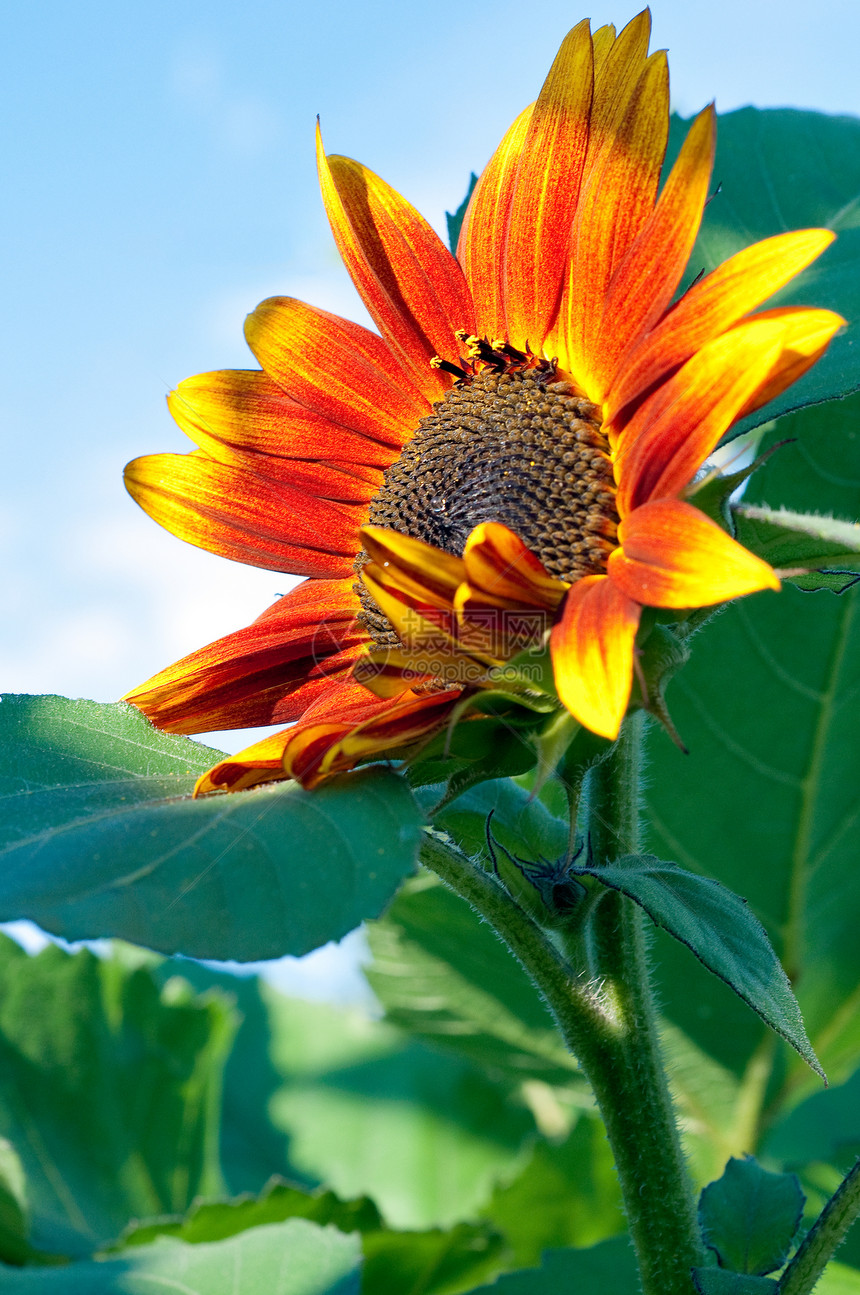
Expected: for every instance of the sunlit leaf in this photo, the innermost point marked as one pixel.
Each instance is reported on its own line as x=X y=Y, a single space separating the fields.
x=293 y=1258
x=99 y=839
x=767 y=801
x=108 y=1092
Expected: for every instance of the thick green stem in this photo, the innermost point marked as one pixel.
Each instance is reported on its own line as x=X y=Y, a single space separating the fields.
x=827 y=1232
x=603 y=1006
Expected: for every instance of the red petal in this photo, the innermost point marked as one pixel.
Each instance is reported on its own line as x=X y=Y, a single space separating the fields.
x=674 y=556
x=411 y=284
x=351 y=725
x=267 y=673
x=335 y=368
x=481 y=247
x=592 y=653
x=546 y=191
x=244 y=516
x=244 y=409
x=616 y=200
x=646 y=278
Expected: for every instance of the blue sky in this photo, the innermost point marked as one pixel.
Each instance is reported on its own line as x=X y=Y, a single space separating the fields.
x=162 y=182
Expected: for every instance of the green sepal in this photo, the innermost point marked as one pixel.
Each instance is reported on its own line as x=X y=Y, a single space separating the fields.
x=712 y=495
x=750 y=1216
x=661 y=656
x=813 y=552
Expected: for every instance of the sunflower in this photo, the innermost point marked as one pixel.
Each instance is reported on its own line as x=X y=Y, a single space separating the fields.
x=522 y=435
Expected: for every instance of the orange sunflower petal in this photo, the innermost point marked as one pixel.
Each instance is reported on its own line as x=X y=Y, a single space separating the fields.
x=546 y=191
x=262 y=762
x=500 y=568
x=267 y=673
x=671 y=555
x=592 y=653
x=246 y=517
x=419 y=619
x=618 y=65
x=429 y=569
x=806 y=336
x=676 y=428
x=646 y=278
x=335 y=368
x=616 y=200
x=351 y=725
x=481 y=246
x=244 y=409
x=712 y=306
x=412 y=286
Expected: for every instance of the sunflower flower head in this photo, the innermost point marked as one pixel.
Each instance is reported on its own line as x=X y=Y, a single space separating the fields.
x=509 y=465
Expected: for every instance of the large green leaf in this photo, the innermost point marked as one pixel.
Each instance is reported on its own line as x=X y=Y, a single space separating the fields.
x=442 y=974
x=768 y=802
x=567 y=1195
x=434 y=1262
x=108 y=1092
x=293 y=1258
x=719 y=929
x=214 y=1220
x=99 y=839
x=609 y=1268
x=780 y=169
x=322 y=1094
x=824 y=1127
x=425 y=1135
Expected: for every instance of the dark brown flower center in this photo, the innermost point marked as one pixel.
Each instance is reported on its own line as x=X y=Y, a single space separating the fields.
x=515 y=447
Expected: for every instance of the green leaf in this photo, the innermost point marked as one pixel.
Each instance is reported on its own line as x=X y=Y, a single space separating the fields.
x=321 y=1094
x=246 y=876
x=425 y=1135
x=824 y=1127
x=767 y=801
x=838 y=1279
x=822 y=547
x=567 y=1195
x=720 y=930
x=108 y=1092
x=430 y=1263
x=718 y=1281
x=521 y=822
x=444 y=975
x=216 y=1220
x=609 y=1268
x=14 y=1214
x=423 y=1263
x=293 y=1258
x=455 y=220
x=780 y=169
x=749 y=1217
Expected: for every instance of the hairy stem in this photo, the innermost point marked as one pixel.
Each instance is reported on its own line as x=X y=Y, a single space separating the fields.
x=602 y=1002
x=827 y=1232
